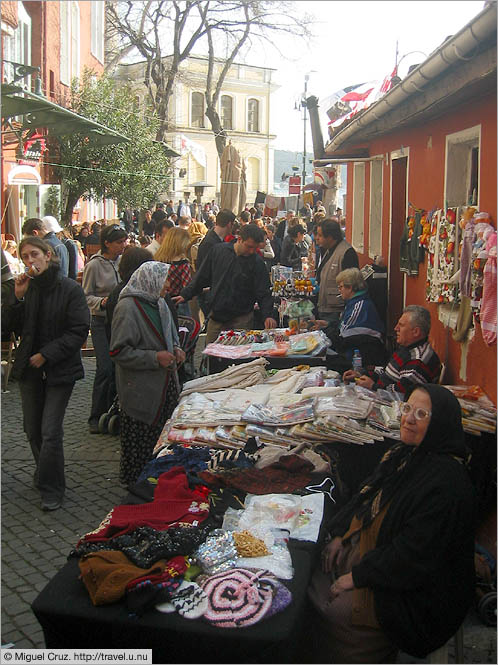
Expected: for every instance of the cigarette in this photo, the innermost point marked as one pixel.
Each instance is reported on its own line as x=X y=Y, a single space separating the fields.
x=33 y=271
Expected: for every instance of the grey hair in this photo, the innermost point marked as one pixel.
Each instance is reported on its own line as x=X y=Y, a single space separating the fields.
x=351 y=277
x=420 y=317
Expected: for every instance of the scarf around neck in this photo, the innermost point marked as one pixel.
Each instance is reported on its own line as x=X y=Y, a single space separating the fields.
x=146 y=283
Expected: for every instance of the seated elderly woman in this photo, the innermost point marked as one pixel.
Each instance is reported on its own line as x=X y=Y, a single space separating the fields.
x=398 y=572
x=360 y=326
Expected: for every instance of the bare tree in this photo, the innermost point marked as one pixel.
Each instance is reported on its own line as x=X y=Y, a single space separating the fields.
x=165 y=32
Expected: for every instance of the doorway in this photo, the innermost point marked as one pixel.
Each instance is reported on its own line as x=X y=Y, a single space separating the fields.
x=399 y=172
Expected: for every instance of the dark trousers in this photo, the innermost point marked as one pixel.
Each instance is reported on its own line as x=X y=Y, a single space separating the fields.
x=102 y=393
x=43 y=409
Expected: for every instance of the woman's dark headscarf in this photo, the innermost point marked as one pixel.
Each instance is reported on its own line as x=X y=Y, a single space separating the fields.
x=444 y=436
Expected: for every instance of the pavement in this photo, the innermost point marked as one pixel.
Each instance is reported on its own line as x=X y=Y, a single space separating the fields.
x=35 y=544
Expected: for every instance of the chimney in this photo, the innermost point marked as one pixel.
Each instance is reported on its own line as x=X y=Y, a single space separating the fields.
x=316 y=130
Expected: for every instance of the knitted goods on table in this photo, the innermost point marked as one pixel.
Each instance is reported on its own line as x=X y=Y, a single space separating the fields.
x=174 y=504
x=239 y=598
x=144 y=592
x=106 y=574
x=144 y=546
x=288 y=474
x=191 y=459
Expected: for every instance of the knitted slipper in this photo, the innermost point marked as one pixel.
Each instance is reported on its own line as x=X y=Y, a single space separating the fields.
x=190 y=600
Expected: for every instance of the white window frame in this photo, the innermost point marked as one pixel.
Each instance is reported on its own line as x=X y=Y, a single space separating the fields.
x=460 y=169
x=193 y=92
x=260 y=105
x=17 y=44
x=358 y=216
x=225 y=94
x=97 y=30
x=376 y=209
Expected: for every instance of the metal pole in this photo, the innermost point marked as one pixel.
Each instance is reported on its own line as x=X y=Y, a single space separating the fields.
x=306 y=79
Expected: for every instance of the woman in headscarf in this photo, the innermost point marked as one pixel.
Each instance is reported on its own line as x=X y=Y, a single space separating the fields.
x=398 y=572
x=145 y=349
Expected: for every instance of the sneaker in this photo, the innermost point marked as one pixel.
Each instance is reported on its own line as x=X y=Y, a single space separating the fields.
x=94 y=428
x=51 y=505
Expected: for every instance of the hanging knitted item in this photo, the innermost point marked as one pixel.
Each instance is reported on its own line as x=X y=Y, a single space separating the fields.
x=488 y=302
x=442 y=263
x=479 y=258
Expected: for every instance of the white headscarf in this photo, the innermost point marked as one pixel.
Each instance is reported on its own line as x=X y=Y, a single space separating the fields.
x=147 y=283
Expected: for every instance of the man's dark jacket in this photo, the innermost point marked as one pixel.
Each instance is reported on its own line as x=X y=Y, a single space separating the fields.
x=237 y=283
x=210 y=240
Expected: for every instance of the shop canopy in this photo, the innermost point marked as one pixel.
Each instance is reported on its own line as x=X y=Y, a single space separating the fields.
x=38 y=112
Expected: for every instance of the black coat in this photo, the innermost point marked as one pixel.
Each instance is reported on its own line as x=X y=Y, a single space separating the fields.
x=421 y=570
x=54 y=320
x=290 y=254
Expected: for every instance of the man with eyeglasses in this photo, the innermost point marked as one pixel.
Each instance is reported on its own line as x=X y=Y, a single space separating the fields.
x=413 y=362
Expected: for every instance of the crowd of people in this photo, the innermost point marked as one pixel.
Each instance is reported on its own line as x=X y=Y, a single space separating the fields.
x=392 y=550
x=215 y=268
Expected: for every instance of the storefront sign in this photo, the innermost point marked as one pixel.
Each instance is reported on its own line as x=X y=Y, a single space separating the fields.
x=32 y=149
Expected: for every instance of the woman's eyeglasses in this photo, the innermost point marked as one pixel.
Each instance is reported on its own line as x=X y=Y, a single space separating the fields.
x=418 y=411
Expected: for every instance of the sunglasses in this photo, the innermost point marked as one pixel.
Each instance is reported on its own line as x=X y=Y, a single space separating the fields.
x=418 y=411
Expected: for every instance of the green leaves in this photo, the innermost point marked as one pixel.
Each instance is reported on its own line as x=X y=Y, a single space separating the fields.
x=132 y=172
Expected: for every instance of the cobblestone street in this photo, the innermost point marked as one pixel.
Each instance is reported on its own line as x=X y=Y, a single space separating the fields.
x=35 y=544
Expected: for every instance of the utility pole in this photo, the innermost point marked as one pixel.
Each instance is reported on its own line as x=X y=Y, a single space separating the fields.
x=303 y=103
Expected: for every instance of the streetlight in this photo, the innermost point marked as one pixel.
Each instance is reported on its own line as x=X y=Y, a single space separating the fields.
x=303 y=105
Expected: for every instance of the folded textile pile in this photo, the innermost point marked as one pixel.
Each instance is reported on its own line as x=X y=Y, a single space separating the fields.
x=241 y=376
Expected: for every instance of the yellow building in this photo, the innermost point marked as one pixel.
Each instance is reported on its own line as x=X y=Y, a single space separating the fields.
x=244 y=109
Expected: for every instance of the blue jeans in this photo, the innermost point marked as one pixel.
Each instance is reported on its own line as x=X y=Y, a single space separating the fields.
x=43 y=409
x=102 y=392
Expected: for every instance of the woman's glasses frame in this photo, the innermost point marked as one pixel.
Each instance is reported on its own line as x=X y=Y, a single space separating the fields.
x=418 y=411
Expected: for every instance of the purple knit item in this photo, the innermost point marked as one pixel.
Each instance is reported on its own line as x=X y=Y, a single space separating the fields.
x=238 y=597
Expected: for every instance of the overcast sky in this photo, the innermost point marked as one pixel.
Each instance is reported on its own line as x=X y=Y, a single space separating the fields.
x=355 y=42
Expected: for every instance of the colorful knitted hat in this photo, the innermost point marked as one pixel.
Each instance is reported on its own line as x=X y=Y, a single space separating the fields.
x=238 y=598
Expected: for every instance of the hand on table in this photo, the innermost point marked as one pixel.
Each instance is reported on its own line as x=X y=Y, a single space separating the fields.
x=343 y=583
x=317 y=324
x=350 y=375
x=365 y=381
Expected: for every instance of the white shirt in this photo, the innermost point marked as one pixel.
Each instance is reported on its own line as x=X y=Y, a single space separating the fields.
x=153 y=247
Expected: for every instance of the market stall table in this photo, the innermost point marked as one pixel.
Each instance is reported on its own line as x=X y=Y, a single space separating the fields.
x=69 y=620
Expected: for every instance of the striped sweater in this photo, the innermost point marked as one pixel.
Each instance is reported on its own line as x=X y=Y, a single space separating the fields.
x=417 y=363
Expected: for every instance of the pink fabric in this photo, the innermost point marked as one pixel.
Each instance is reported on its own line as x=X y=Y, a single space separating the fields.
x=488 y=301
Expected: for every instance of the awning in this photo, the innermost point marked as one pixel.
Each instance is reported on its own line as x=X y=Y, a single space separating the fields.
x=38 y=112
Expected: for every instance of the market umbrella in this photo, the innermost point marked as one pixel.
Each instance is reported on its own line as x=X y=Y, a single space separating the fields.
x=230 y=178
x=243 y=186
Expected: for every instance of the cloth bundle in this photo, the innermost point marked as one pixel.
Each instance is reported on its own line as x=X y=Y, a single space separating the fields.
x=247 y=374
x=174 y=503
x=239 y=598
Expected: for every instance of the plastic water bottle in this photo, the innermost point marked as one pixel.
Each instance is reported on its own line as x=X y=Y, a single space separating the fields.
x=357 y=362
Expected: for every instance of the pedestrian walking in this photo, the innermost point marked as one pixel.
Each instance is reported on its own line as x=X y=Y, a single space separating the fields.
x=52 y=317
x=145 y=349
x=100 y=276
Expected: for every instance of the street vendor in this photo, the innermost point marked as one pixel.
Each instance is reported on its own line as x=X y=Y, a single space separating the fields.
x=360 y=326
x=335 y=255
x=238 y=279
x=413 y=362
x=398 y=572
